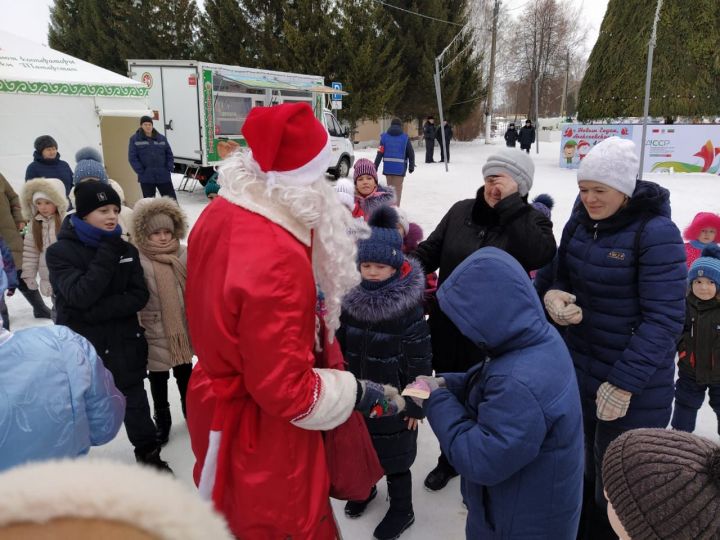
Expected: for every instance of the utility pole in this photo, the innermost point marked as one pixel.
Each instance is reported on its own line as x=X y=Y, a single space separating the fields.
x=563 y=112
x=491 y=75
x=648 y=80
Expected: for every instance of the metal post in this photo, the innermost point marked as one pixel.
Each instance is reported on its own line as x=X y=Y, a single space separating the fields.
x=491 y=74
x=648 y=80
x=438 y=93
x=565 y=90
x=537 y=114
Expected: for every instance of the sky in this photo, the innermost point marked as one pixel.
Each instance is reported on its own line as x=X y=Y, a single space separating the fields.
x=30 y=18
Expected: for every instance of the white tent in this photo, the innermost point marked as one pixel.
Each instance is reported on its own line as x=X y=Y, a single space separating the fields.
x=46 y=92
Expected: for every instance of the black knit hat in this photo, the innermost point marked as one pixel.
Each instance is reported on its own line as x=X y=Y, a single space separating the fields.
x=664 y=484
x=91 y=195
x=145 y=119
x=43 y=142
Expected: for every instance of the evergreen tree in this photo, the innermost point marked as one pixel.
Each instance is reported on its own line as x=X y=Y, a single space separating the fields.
x=267 y=19
x=225 y=35
x=64 y=27
x=686 y=65
x=369 y=65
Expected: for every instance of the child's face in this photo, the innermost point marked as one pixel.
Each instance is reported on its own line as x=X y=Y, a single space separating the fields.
x=45 y=208
x=704 y=288
x=365 y=184
x=707 y=235
x=105 y=217
x=211 y=196
x=49 y=153
x=162 y=237
x=371 y=271
x=615 y=522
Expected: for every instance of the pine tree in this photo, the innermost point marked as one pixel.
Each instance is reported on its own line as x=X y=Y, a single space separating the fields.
x=369 y=66
x=64 y=27
x=686 y=66
x=225 y=35
x=267 y=19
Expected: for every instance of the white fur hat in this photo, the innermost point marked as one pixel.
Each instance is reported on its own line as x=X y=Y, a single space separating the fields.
x=612 y=162
x=403 y=219
x=345 y=190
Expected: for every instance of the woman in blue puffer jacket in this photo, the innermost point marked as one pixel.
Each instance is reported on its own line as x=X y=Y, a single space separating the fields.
x=619 y=290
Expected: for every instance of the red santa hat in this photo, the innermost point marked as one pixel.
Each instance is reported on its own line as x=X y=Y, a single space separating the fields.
x=288 y=143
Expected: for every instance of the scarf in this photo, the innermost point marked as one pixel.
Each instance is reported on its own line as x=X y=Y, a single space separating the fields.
x=697 y=244
x=89 y=235
x=169 y=272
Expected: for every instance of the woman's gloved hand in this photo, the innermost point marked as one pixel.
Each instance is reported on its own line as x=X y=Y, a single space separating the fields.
x=562 y=308
x=375 y=400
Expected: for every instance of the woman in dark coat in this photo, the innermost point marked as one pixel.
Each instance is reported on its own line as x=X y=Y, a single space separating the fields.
x=99 y=286
x=620 y=293
x=499 y=216
x=47 y=163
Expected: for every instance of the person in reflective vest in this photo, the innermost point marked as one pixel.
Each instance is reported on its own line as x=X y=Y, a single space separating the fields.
x=397 y=156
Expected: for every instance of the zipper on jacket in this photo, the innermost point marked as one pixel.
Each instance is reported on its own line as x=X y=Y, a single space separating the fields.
x=363 y=355
x=596 y=231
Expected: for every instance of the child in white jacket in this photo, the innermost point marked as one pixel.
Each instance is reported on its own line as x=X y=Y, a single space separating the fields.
x=44 y=206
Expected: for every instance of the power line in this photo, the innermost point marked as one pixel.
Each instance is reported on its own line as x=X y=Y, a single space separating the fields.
x=416 y=13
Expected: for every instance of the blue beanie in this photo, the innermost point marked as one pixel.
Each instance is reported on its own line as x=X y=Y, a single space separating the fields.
x=707 y=265
x=89 y=166
x=385 y=243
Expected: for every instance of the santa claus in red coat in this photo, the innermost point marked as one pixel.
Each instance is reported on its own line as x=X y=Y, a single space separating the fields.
x=256 y=405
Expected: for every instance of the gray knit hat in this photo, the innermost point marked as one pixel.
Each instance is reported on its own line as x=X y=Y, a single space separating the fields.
x=517 y=164
x=664 y=484
x=89 y=166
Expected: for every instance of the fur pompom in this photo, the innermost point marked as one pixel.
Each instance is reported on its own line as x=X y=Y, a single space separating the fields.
x=713 y=250
x=88 y=152
x=384 y=217
x=545 y=199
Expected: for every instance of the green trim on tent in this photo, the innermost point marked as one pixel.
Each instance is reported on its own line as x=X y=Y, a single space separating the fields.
x=69 y=89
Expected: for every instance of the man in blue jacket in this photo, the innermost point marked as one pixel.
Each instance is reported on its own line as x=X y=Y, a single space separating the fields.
x=151 y=158
x=512 y=425
x=396 y=153
x=47 y=163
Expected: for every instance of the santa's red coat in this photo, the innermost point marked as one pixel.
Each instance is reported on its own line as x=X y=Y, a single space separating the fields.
x=255 y=403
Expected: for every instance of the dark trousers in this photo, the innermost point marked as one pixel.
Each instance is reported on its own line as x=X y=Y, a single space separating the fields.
x=166 y=190
x=445 y=152
x=525 y=147
x=689 y=397
x=138 y=423
x=594 y=524
x=4 y=313
x=429 y=150
x=159 y=385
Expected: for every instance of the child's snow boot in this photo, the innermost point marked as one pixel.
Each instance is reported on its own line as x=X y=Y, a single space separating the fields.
x=400 y=515
x=355 y=509
x=163 y=421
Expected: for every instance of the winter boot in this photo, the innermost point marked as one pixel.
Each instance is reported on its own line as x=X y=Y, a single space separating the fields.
x=163 y=421
x=40 y=310
x=400 y=515
x=355 y=509
x=152 y=459
x=439 y=477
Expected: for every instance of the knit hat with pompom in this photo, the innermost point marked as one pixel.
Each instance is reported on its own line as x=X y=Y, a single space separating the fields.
x=544 y=203
x=89 y=166
x=664 y=484
x=707 y=265
x=385 y=243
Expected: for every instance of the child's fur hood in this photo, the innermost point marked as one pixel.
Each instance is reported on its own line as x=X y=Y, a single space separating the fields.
x=52 y=187
x=146 y=208
x=391 y=301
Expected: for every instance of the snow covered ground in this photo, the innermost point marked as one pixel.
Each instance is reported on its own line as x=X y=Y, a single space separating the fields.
x=427 y=194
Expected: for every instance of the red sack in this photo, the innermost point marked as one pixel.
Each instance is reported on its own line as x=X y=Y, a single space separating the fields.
x=353 y=464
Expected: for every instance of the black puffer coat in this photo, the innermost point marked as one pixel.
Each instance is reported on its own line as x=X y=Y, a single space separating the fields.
x=384 y=338
x=98 y=295
x=513 y=226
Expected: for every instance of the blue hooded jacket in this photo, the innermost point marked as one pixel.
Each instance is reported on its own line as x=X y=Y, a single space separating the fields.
x=56 y=397
x=511 y=426
x=50 y=168
x=151 y=157
x=633 y=303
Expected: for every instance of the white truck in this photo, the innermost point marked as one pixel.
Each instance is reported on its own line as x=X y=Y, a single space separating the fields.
x=197 y=105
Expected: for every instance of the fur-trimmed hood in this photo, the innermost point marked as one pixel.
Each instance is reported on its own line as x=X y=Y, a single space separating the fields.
x=52 y=187
x=393 y=300
x=146 y=208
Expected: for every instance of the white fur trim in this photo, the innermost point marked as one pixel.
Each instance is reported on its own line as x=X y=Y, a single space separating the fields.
x=209 y=470
x=302 y=176
x=334 y=403
x=95 y=489
x=252 y=197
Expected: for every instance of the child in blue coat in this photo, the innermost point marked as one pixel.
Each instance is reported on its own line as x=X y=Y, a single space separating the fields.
x=512 y=425
x=385 y=338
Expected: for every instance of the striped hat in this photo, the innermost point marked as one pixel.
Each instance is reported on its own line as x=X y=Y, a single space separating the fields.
x=664 y=484
x=364 y=166
x=707 y=265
